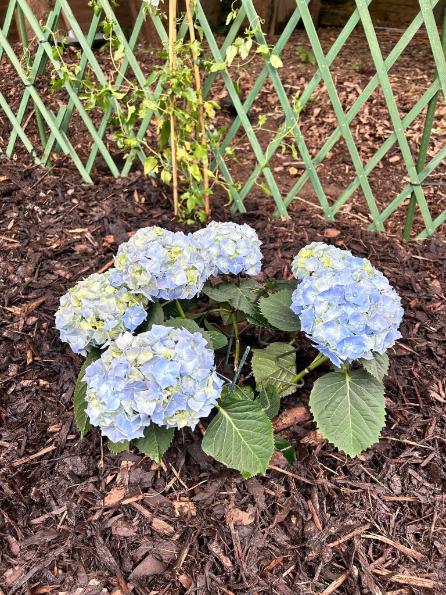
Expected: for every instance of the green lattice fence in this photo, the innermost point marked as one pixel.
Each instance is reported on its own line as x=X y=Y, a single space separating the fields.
x=55 y=119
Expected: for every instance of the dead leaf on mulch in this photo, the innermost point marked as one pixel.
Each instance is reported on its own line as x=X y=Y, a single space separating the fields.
x=240 y=517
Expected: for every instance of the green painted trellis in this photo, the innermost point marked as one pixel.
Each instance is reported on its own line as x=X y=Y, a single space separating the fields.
x=53 y=127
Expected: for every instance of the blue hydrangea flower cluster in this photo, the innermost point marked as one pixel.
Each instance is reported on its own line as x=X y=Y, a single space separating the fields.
x=318 y=257
x=94 y=312
x=161 y=264
x=166 y=376
x=230 y=248
x=347 y=307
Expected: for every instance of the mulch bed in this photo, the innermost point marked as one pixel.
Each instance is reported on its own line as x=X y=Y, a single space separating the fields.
x=76 y=520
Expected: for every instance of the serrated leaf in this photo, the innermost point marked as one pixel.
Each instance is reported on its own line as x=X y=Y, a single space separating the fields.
x=240 y=436
x=156 y=316
x=245 y=295
x=219 y=293
x=276 y=308
x=349 y=410
x=279 y=284
x=276 y=364
x=79 y=404
x=156 y=441
x=240 y=392
x=269 y=398
x=378 y=366
x=117 y=447
x=216 y=338
x=257 y=318
x=241 y=296
x=282 y=445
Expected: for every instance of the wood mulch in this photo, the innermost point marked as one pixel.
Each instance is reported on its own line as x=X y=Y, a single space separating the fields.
x=75 y=520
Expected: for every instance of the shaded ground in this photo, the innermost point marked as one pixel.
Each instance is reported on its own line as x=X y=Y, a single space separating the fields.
x=74 y=521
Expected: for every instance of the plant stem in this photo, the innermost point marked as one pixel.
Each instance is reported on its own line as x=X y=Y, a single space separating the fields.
x=237 y=340
x=320 y=359
x=180 y=309
x=207 y=205
x=173 y=65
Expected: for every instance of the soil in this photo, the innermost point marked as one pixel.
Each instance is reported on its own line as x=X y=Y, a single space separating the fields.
x=74 y=519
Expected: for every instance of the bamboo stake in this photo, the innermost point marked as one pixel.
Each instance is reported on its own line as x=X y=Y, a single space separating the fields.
x=172 y=66
x=190 y=19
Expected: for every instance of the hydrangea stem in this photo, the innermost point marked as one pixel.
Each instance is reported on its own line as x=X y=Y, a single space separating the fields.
x=237 y=340
x=318 y=360
x=180 y=309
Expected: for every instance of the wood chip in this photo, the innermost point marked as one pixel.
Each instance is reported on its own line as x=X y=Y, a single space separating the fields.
x=114 y=496
x=162 y=527
x=291 y=417
x=36 y=455
x=398 y=546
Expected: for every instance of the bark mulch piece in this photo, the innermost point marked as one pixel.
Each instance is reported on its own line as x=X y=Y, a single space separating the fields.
x=74 y=520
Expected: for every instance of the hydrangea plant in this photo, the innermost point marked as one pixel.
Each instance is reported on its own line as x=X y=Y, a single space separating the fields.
x=159 y=329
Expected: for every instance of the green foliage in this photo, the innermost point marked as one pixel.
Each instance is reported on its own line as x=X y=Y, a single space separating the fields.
x=282 y=445
x=240 y=436
x=117 y=447
x=378 y=366
x=156 y=316
x=241 y=296
x=348 y=407
x=306 y=54
x=80 y=389
x=276 y=310
x=156 y=441
x=276 y=364
x=269 y=398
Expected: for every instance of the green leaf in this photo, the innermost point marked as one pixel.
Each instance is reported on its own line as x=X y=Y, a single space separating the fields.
x=279 y=284
x=245 y=295
x=155 y=442
x=378 y=366
x=276 y=364
x=276 y=308
x=244 y=392
x=216 y=338
x=117 y=447
x=241 y=296
x=150 y=166
x=276 y=61
x=269 y=398
x=349 y=410
x=263 y=50
x=231 y=53
x=156 y=316
x=80 y=389
x=257 y=318
x=218 y=66
x=240 y=436
x=282 y=445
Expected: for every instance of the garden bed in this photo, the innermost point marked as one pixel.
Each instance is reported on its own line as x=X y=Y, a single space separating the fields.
x=72 y=518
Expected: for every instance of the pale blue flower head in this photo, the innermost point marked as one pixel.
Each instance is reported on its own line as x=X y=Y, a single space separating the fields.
x=161 y=264
x=349 y=311
x=166 y=376
x=230 y=248
x=318 y=256
x=95 y=312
